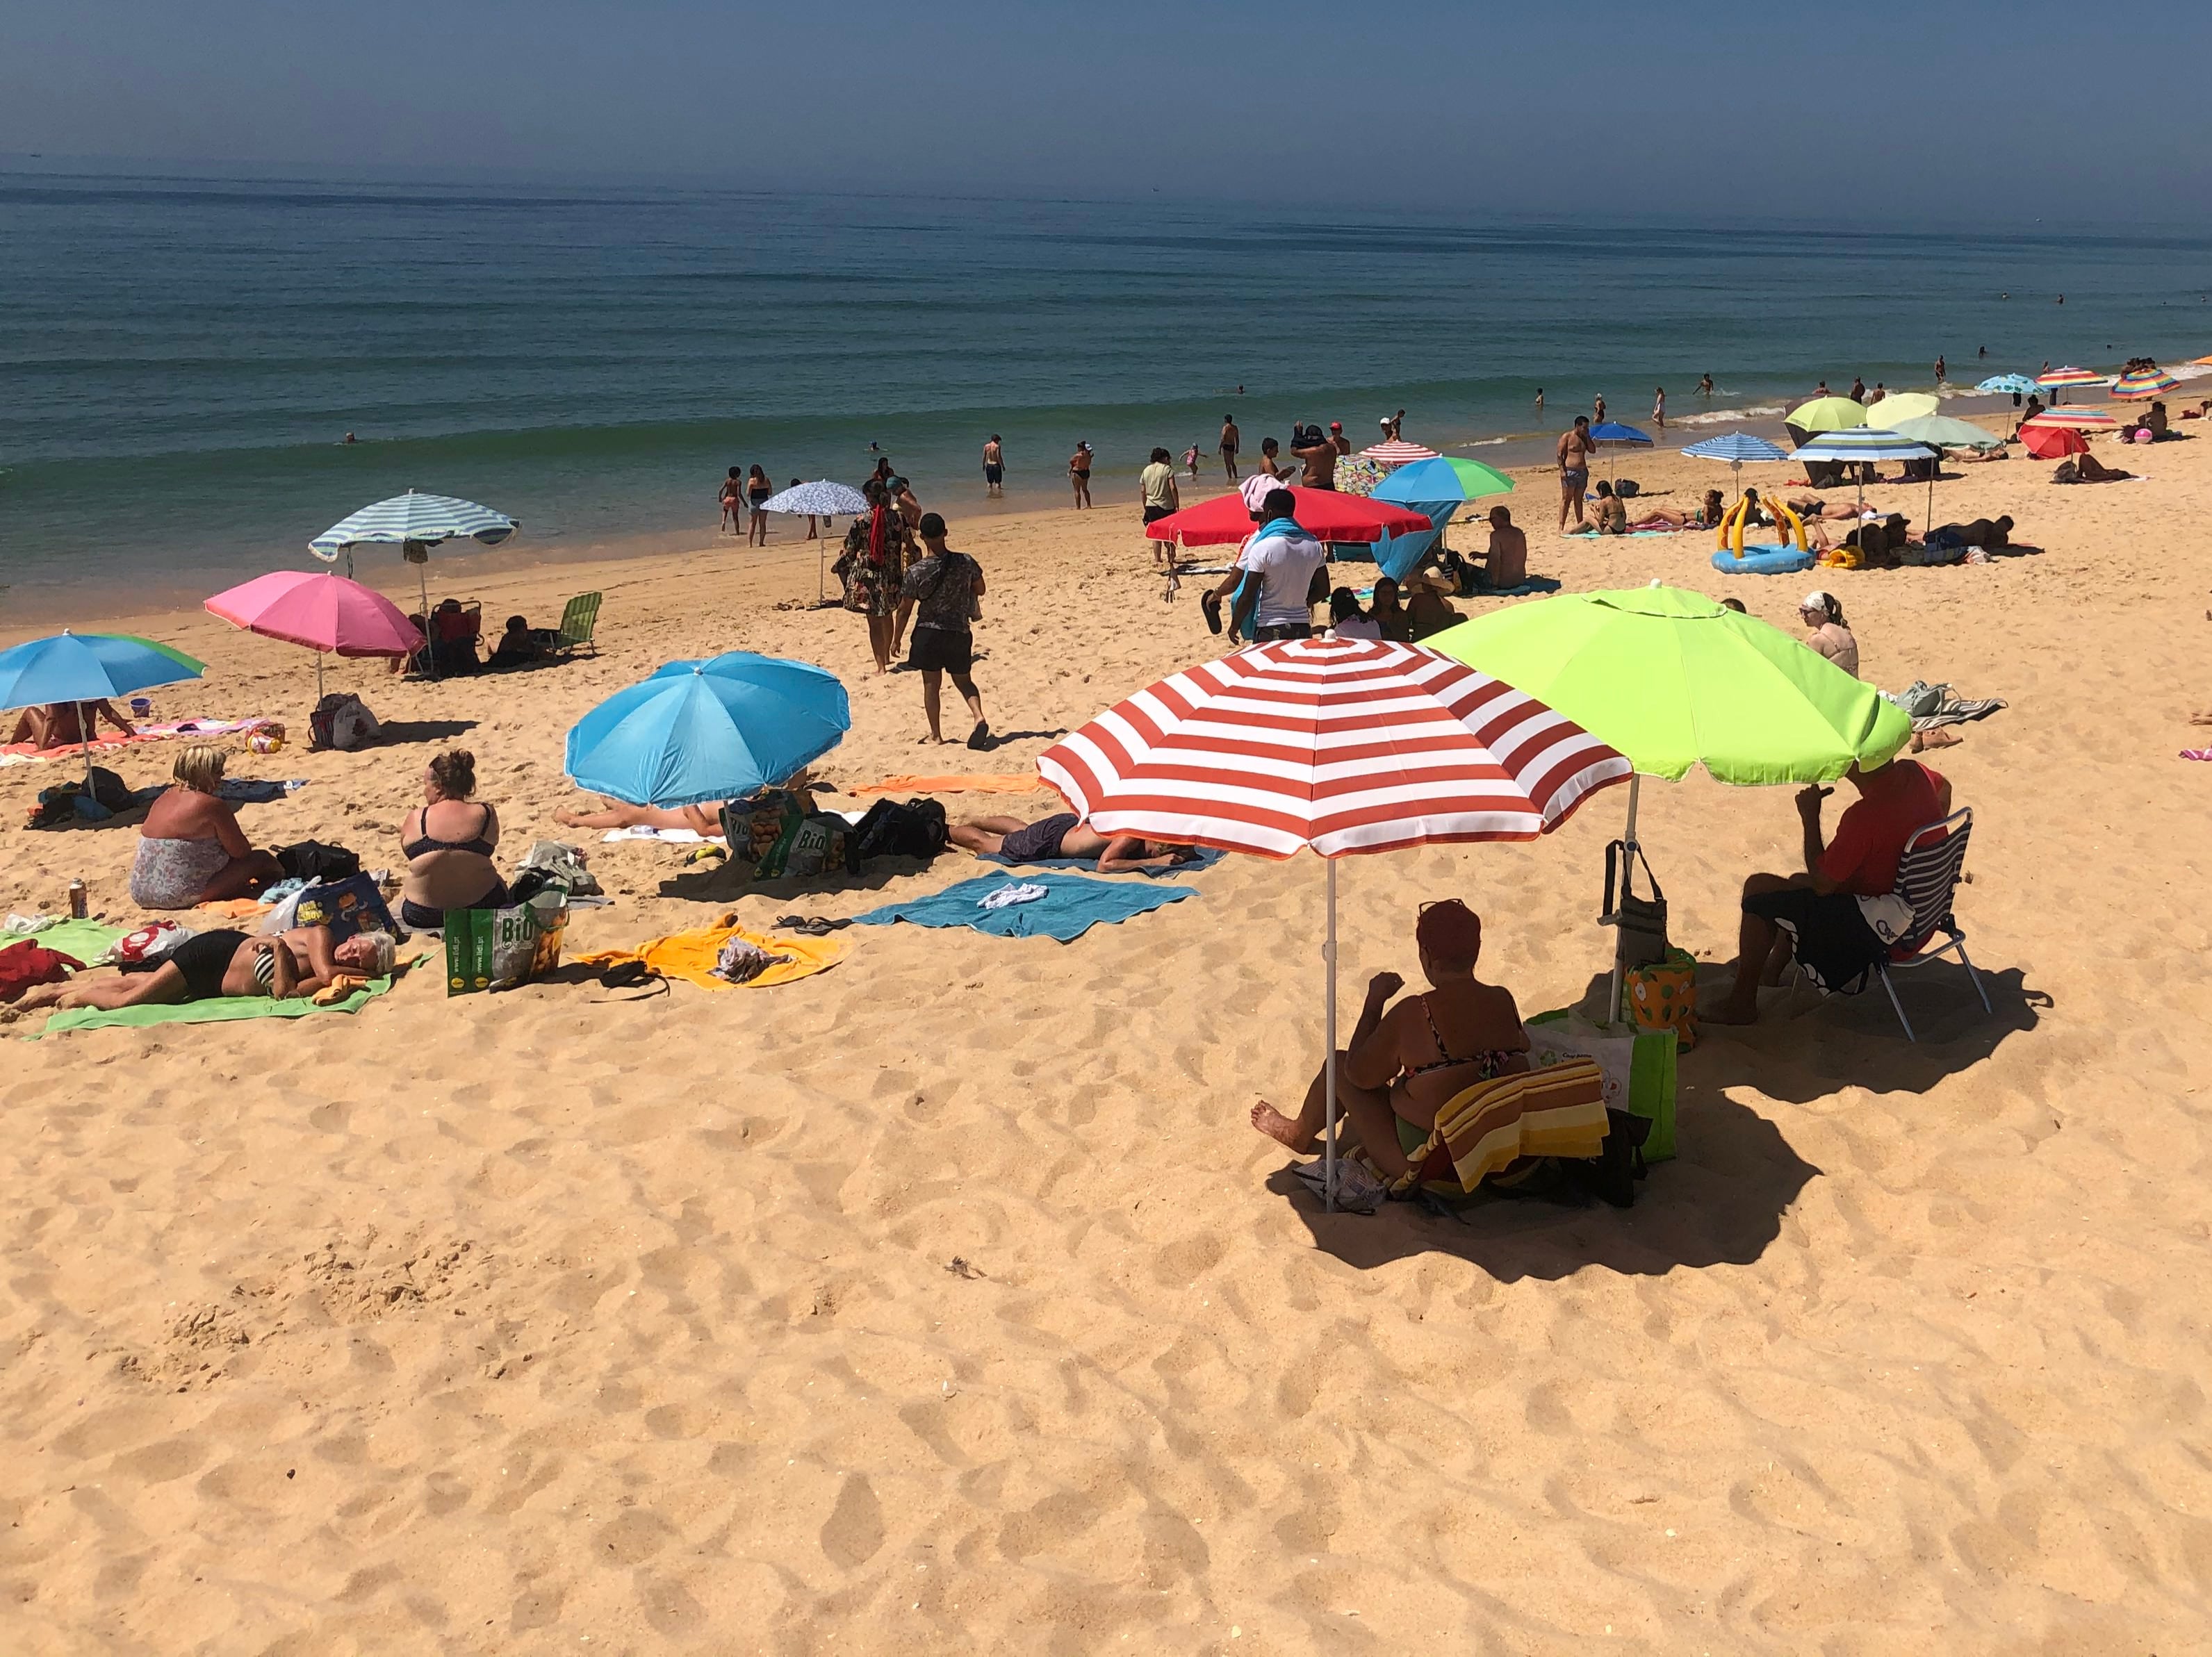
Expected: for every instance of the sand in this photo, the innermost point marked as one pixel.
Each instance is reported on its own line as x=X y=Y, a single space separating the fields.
x=946 y=1301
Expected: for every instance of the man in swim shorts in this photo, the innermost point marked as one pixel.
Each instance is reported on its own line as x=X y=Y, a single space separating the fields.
x=1231 y=440
x=995 y=467
x=1576 y=448
x=1065 y=836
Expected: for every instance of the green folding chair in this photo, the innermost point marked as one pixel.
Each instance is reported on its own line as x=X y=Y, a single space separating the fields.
x=578 y=623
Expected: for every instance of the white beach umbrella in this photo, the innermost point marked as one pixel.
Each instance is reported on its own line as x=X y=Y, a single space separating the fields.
x=413 y=522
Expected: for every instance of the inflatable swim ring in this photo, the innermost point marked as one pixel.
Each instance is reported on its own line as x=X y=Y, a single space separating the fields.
x=1738 y=516
x=1762 y=560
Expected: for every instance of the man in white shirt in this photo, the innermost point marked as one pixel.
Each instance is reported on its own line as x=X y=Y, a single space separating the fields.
x=1284 y=560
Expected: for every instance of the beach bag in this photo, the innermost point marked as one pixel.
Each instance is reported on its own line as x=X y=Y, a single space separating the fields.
x=147 y=946
x=1641 y=921
x=1639 y=1066
x=499 y=949
x=908 y=828
x=315 y=860
x=771 y=834
x=342 y=720
x=1664 y=997
x=346 y=907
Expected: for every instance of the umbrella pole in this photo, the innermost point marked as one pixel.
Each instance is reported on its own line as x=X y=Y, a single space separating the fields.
x=1328 y=1059
x=84 y=745
x=422 y=579
x=318 y=678
x=1619 y=900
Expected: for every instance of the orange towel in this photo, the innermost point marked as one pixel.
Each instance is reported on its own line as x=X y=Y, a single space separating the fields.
x=234 y=908
x=983 y=784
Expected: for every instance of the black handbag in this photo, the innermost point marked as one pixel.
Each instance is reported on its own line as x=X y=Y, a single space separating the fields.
x=1642 y=920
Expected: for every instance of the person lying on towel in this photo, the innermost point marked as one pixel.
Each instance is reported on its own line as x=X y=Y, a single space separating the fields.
x=226 y=962
x=1840 y=917
x=1406 y=1063
x=1065 y=836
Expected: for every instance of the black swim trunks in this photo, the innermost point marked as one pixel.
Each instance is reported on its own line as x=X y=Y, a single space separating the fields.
x=1039 y=842
x=1153 y=514
x=204 y=959
x=937 y=649
x=1834 y=944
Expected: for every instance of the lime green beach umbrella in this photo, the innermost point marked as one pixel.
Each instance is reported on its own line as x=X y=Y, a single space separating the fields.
x=1827 y=414
x=1672 y=680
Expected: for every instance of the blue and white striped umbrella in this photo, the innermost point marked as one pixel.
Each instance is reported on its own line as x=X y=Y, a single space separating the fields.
x=425 y=519
x=1863 y=443
x=2018 y=384
x=1737 y=448
x=818 y=500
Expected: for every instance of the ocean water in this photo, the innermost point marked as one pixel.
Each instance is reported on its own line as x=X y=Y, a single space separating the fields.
x=179 y=357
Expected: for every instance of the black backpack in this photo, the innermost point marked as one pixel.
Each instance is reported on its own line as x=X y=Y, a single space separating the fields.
x=908 y=828
x=313 y=861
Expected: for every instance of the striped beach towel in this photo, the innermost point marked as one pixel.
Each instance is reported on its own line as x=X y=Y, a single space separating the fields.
x=1558 y=1111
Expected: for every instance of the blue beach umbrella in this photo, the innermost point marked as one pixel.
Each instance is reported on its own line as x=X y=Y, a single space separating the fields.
x=88 y=667
x=2018 y=384
x=1436 y=488
x=708 y=730
x=1612 y=434
x=1738 y=449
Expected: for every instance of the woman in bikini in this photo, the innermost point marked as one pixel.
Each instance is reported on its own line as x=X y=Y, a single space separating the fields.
x=1406 y=1063
x=447 y=841
x=758 y=491
x=227 y=962
x=733 y=501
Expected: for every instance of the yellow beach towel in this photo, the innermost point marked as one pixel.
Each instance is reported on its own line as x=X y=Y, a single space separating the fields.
x=979 y=785
x=692 y=956
x=1558 y=1111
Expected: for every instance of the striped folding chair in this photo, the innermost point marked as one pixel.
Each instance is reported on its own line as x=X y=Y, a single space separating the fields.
x=1927 y=878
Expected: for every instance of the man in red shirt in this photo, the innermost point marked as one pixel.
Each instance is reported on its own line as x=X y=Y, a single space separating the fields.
x=1836 y=913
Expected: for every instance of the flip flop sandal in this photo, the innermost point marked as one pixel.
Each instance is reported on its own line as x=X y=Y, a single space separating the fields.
x=1211 y=603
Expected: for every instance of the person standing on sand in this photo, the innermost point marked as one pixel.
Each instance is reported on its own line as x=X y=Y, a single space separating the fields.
x=877 y=548
x=1576 y=449
x=813 y=524
x=733 y=499
x=1659 y=407
x=1339 y=441
x=994 y=468
x=1270 y=463
x=1231 y=440
x=1079 y=474
x=1161 y=498
x=758 y=491
x=1311 y=448
x=939 y=592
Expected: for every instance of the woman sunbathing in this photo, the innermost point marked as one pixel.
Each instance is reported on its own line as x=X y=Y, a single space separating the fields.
x=699 y=819
x=1406 y=1063
x=226 y=962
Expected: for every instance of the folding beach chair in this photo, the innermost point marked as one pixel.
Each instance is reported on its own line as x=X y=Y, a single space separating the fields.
x=1927 y=878
x=578 y=623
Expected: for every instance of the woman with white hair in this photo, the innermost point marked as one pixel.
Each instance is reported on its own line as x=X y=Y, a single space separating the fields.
x=190 y=849
x=226 y=962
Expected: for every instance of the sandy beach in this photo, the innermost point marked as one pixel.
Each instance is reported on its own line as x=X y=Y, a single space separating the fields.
x=946 y=1301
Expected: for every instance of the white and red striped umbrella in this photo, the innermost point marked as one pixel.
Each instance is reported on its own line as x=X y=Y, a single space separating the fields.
x=1343 y=745
x=1396 y=453
x=2077 y=419
x=2070 y=377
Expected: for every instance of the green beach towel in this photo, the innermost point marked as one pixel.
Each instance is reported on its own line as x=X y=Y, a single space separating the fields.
x=80 y=940
x=214 y=1011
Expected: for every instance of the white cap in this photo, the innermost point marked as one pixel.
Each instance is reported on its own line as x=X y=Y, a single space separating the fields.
x=1815 y=599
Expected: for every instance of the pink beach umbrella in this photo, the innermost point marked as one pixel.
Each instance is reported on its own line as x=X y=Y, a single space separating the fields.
x=320 y=612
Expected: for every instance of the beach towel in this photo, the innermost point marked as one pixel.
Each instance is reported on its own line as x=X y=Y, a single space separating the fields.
x=693 y=955
x=88 y=940
x=978 y=784
x=22 y=753
x=1557 y=1111
x=216 y=1010
x=1207 y=858
x=667 y=836
x=1072 y=905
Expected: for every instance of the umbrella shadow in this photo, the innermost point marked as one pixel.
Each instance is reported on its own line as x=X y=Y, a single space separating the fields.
x=395 y=732
x=726 y=881
x=1720 y=1202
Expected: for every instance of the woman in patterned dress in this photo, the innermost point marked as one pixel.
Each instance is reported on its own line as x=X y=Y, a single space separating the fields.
x=877 y=548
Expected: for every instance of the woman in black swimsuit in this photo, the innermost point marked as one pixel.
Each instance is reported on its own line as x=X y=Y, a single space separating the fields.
x=448 y=841
x=1406 y=1063
x=758 y=491
x=227 y=962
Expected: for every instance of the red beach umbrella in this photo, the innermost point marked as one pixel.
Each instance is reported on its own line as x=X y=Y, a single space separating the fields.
x=1325 y=514
x=1343 y=746
x=2052 y=442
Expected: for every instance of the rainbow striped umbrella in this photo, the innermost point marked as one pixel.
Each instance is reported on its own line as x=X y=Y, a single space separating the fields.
x=2076 y=419
x=2069 y=377
x=2152 y=382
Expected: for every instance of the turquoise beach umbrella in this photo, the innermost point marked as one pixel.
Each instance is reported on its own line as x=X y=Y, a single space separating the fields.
x=1437 y=487
x=708 y=730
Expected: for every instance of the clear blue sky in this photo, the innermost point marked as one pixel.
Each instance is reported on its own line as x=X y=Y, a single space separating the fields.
x=1980 y=112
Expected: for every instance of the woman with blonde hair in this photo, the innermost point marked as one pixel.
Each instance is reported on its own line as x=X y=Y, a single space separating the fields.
x=447 y=841
x=190 y=849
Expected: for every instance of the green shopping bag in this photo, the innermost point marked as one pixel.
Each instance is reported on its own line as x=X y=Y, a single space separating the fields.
x=1638 y=1066
x=499 y=948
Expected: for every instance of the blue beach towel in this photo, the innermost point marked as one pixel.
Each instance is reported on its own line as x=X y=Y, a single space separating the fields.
x=1207 y=858
x=1072 y=905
